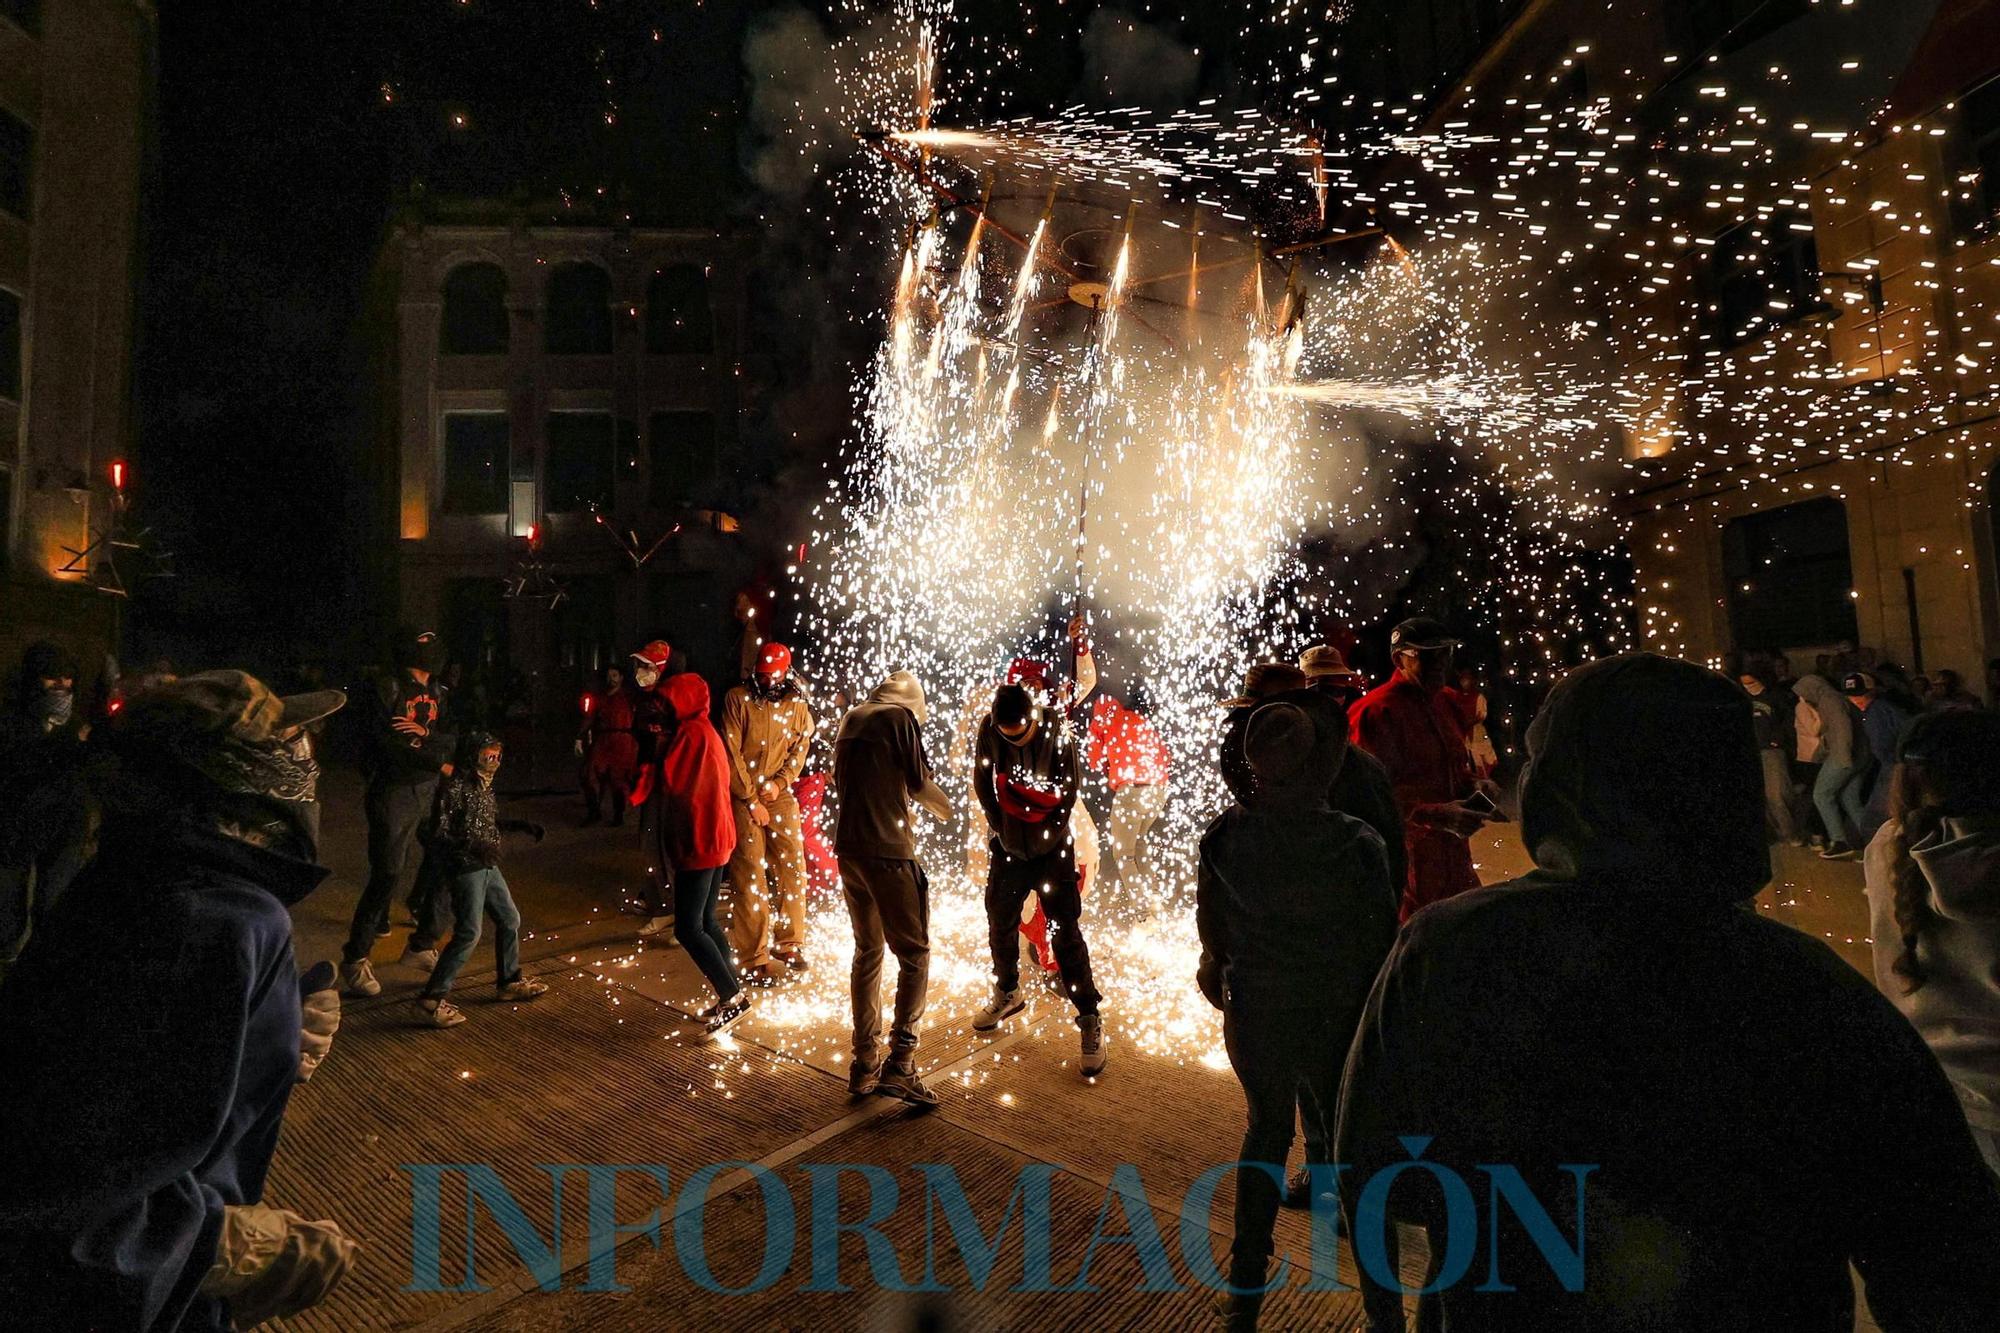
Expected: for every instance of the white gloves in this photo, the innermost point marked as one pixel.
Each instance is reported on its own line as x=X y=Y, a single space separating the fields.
x=270 y=1263
x=319 y=1019
x=579 y=747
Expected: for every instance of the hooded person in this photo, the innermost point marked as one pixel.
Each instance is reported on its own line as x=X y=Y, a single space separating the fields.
x=1027 y=772
x=768 y=728
x=1296 y=912
x=879 y=770
x=45 y=808
x=1830 y=736
x=405 y=750
x=1933 y=874
x=1360 y=790
x=463 y=838
x=1718 y=1114
x=155 y=1027
x=1126 y=749
x=697 y=833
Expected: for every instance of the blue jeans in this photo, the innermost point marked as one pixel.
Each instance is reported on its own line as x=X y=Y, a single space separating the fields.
x=476 y=895
x=1841 y=793
x=695 y=928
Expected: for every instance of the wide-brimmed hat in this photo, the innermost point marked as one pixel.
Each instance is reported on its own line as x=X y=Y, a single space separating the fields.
x=1324 y=660
x=1267 y=678
x=226 y=726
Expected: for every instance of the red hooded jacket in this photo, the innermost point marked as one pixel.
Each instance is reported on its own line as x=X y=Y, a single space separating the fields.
x=1124 y=747
x=693 y=776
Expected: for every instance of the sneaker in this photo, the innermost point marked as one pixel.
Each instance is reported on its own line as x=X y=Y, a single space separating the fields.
x=728 y=1014
x=441 y=1013
x=358 y=978
x=763 y=978
x=1837 y=851
x=1092 y=1028
x=907 y=1085
x=1298 y=1189
x=422 y=959
x=1003 y=1006
x=1238 y=1312
x=793 y=960
x=523 y=988
x=656 y=926
x=863 y=1079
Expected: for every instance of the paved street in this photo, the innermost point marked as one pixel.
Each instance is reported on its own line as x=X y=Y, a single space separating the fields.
x=609 y=1068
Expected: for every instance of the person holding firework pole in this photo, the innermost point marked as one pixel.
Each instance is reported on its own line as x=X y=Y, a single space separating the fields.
x=608 y=748
x=768 y=730
x=1026 y=773
x=1413 y=724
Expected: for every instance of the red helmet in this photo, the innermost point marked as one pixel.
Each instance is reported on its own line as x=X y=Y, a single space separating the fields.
x=1027 y=671
x=774 y=659
x=654 y=654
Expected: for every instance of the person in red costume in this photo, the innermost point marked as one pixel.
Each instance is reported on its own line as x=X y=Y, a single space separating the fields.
x=1415 y=725
x=697 y=835
x=609 y=750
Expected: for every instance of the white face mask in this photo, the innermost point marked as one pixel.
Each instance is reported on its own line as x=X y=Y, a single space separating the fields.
x=646 y=677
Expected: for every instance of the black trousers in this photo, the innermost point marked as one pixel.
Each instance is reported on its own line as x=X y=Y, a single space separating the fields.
x=1009 y=881
x=1285 y=1057
x=395 y=811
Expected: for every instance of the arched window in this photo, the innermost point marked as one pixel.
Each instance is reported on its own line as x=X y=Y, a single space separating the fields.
x=677 y=314
x=475 y=311
x=579 y=311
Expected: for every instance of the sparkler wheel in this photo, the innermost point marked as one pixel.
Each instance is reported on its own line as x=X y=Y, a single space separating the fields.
x=1089 y=295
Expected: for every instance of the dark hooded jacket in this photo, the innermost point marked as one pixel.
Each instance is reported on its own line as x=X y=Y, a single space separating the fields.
x=1292 y=899
x=465 y=825
x=1754 y=1114
x=879 y=768
x=45 y=806
x=1361 y=788
x=1028 y=788
x=150 y=1038
x=398 y=757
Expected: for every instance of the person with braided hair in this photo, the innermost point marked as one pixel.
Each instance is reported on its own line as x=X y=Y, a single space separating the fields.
x=1934 y=902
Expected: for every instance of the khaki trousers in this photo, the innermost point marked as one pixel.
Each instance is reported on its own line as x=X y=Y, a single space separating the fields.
x=766 y=871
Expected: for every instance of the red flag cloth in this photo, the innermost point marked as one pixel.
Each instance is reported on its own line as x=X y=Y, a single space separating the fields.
x=1124 y=747
x=694 y=775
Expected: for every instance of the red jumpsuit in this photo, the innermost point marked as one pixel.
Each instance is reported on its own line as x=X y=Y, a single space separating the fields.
x=1420 y=738
x=611 y=750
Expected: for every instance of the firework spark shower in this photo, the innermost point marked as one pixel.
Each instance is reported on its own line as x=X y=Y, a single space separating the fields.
x=1135 y=363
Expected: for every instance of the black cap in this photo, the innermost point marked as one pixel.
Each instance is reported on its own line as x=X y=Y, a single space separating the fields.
x=1856 y=682
x=1420 y=632
x=1012 y=705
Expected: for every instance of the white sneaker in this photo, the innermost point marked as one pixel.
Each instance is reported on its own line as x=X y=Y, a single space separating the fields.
x=440 y=1013
x=422 y=959
x=358 y=978
x=1092 y=1028
x=1003 y=1006
x=656 y=926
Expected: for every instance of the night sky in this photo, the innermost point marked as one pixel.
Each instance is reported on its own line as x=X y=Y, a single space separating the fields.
x=283 y=135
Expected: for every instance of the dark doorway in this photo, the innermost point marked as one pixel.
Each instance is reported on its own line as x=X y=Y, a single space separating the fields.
x=1791 y=579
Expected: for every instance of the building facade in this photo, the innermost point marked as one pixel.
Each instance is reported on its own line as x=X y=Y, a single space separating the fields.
x=75 y=84
x=560 y=454
x=1817 y=470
